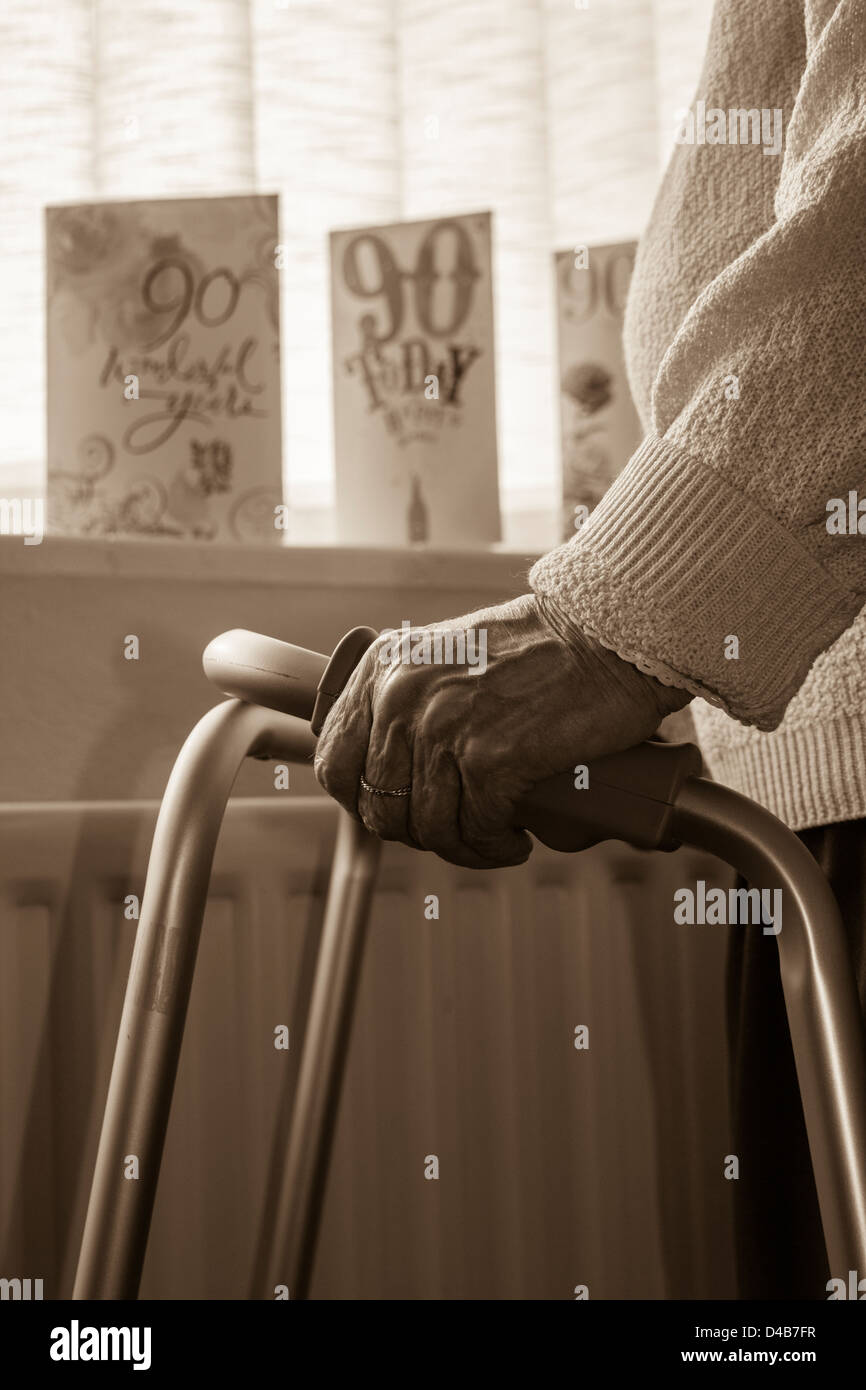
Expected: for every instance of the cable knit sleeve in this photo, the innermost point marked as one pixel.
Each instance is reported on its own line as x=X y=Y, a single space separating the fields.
x=719 y=527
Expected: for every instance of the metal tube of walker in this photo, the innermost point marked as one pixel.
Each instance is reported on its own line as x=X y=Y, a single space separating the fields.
x=821 y=999
x=154 y=1011
x=323 y=1059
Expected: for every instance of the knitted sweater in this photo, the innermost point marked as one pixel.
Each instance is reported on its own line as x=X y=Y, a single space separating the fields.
x=719 y=561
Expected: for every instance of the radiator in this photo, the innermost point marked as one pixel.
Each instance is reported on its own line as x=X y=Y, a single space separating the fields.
x=559 y=1168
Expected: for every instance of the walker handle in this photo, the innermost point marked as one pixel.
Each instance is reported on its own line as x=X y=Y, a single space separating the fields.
x=624 y=796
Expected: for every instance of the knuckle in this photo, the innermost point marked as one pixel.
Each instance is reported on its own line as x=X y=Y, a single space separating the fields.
x=475 y=772
x=382 y=822
x=437 y=718
x=389 y=702
x=320 y=768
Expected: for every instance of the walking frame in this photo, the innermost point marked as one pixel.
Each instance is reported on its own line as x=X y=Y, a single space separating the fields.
x=651 y=796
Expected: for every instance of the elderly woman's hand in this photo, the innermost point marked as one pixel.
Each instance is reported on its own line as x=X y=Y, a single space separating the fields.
x=450 y=749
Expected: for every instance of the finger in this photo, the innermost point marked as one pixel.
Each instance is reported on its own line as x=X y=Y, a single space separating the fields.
x=388 y=769
x=487 y=821
x=435 y=806
x=434 y=811
x=341 y=752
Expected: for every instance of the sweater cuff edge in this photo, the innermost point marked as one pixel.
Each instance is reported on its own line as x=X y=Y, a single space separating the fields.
x=673 y=560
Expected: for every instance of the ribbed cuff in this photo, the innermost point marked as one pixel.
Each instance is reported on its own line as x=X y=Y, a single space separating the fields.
x=674 y=563
x=809 y=774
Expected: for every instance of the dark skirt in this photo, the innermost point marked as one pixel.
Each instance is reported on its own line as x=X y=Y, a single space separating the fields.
x=780 y=1246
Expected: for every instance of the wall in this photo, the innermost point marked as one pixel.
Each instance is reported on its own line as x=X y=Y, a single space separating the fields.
x=81 y=722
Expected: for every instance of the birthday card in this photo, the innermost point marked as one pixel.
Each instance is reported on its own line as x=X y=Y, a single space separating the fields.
x=600 y=429
x=414 y=392
x=163 y=369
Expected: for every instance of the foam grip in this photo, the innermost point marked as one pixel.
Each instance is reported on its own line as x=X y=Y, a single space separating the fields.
x=264 y=671
x=625 y=796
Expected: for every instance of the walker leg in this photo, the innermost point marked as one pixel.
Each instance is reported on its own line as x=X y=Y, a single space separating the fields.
x=154 y=1012
x=326 y=1044
x=820 y=997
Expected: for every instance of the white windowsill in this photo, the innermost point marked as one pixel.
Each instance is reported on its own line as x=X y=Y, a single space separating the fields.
x=324 y=566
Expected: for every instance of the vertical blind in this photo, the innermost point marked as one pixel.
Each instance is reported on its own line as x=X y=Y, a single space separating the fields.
x=556 y=116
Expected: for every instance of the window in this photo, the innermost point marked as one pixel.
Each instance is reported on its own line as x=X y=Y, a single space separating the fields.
x=555 y=116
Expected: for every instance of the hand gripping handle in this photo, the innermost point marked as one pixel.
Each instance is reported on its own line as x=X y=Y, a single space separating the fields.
x=627 y=796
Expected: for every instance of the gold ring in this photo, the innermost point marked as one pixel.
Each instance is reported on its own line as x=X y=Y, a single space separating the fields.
x=381 y=791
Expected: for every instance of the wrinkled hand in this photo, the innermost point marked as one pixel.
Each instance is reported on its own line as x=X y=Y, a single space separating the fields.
x=469 y=742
